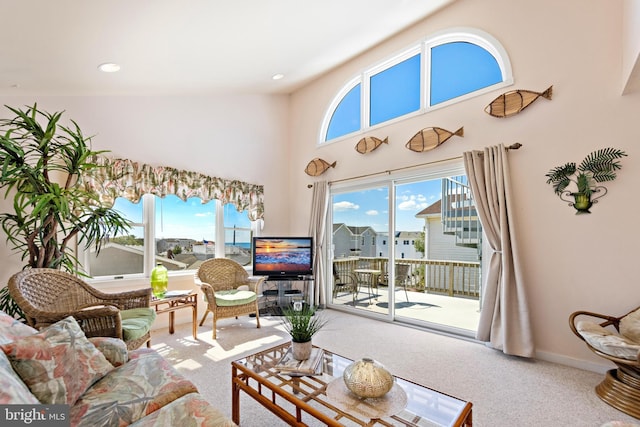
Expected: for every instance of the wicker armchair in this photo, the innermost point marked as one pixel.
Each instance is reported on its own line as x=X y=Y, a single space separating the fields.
x=220 y=279
x=616 y=339
x=47 y=295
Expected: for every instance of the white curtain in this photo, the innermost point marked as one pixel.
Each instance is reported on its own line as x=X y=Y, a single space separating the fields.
x=504 y=317
x=317 y=227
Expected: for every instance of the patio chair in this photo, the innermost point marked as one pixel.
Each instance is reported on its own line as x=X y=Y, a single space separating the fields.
x=345 y=281
x=401 y=278
x=228 y=290
x=616 y=339
x=47 y=296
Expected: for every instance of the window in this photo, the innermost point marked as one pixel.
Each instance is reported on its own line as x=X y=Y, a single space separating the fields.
x=442 y=69
x=460 y=68
x=395 y=91
x=346 y=116
x=179 y=234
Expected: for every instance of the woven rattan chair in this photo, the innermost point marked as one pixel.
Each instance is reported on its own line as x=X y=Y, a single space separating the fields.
x=616 y=339
x=47 y=296
x=228 y=290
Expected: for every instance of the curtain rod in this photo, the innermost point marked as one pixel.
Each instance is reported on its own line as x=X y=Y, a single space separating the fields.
x=513 y=146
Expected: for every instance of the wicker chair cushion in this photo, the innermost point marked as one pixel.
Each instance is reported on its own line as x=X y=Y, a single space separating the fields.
x=136 y=322
x=608 y=342
x=630 y=326
x=233 y=297
x=58 y=364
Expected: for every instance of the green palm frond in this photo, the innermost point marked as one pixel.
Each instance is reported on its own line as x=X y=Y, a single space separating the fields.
x=603 y=160
x=598 y=166
x=559 y=176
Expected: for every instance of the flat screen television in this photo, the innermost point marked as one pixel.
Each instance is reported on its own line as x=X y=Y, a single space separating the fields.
x=282 y=257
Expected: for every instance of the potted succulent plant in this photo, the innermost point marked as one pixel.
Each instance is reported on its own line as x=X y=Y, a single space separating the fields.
x=599 y=166
x=51 y=212
x=302 y=322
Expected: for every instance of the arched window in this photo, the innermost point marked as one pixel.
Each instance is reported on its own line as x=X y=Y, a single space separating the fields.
x=444 y=68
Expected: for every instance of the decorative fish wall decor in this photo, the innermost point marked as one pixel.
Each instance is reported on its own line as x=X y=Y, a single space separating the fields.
x=369 y=143
x=318 y=166
x=429 y=138
x=511 y=103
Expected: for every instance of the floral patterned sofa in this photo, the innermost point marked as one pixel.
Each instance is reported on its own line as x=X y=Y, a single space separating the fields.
x=103 y=383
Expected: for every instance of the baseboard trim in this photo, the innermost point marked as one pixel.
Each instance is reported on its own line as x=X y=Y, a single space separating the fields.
x=573 y=362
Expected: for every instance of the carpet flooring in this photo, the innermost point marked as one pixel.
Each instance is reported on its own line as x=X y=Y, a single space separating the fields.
x=505 y=390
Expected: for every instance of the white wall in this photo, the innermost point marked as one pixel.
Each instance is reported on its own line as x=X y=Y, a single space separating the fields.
x=631 y=45
x=570 y=262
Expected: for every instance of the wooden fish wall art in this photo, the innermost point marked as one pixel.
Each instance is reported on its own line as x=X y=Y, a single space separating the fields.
x=318 y=166
x=369 y=143
x=430 y=138
x=511 y=103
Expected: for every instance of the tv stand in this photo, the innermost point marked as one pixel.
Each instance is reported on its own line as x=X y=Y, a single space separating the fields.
x=281 y=292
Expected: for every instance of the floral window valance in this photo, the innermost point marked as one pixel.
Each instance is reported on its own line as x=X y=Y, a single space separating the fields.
x=125 y=178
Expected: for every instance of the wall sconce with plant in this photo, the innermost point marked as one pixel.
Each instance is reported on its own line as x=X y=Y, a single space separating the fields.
x=599 y=166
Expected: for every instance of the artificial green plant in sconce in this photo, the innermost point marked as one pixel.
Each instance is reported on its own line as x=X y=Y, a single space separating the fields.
x=581 y=181
x=42 y=164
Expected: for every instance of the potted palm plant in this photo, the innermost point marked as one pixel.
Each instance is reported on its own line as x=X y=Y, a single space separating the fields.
x=302 y=322
x=43 y=163
x=581 y=181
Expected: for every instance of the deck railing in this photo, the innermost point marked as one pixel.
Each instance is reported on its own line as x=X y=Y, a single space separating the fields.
x=452 y=278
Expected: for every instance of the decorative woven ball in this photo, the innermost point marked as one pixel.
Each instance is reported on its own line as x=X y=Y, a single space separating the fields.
x=367 y=378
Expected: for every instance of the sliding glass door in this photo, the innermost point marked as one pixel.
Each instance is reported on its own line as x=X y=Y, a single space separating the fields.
x=360 y=224
x=415 y=259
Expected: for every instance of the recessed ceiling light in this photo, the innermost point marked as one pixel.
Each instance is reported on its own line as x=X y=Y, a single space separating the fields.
x=277 y=76
x=109 y=67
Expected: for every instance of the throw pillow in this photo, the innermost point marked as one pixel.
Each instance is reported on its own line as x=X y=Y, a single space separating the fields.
x=630 y=326
x=114 y=349
x=58 y=364
x=12 y=389
x=11 y=328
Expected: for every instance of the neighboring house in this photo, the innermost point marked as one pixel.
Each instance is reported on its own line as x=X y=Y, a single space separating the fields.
x=404 y=242
x=353 y=241
x=162 y=245
x=439 y=245
x=124 y=259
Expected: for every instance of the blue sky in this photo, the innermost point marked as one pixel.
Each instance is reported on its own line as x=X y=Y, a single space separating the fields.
x=371 y=207
x=193 y=220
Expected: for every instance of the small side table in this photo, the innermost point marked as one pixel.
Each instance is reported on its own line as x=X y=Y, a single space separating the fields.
x=170 y=304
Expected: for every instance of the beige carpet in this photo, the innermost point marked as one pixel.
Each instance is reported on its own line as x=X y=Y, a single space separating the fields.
x=505 y=391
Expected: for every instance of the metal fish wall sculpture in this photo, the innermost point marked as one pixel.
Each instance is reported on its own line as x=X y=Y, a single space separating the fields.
x=429 y=138
x=511 y=103
x=318 y=166
x=370 y=143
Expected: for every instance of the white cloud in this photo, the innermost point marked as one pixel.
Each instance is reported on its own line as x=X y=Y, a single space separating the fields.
x=372 y=212
x=345 y=206
x=412 y=203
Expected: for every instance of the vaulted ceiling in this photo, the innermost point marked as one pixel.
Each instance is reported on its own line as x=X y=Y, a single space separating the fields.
x=188 y=47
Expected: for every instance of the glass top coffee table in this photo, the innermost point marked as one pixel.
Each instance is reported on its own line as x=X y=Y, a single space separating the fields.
x=305 y=400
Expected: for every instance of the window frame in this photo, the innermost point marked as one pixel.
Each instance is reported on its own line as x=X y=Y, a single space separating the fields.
x=422 y=47
x=148 y=226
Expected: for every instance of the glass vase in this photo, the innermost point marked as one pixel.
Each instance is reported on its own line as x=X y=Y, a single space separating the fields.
x=159 y=280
